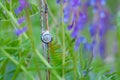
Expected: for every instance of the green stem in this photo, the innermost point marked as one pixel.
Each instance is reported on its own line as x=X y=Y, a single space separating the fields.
x=48 y=65
x=17 y=71
x=11 y=5
x=81 y=62
x=30 y=32
x=63 y=43
x=17 y=63
x=75 y=66
x=118 y=28
x=74 y=58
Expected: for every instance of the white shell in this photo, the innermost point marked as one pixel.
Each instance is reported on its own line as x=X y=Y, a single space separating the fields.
x=46 y=37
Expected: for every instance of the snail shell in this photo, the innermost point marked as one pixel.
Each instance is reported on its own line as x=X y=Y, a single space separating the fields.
x=46 y=37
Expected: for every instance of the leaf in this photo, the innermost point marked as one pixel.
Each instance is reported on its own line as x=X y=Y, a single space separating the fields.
x=56 y=58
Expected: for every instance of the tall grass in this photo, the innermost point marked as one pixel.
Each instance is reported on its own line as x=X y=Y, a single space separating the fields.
x=22 y=57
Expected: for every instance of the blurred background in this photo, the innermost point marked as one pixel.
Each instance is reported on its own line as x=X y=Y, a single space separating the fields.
x=19 y=59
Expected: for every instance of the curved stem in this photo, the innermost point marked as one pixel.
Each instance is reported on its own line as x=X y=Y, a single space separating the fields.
x=17 y=63
x=63 y=43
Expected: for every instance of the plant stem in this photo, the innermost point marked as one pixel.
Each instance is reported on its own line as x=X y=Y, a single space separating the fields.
x=17 y=71
x=75 y=66
x=17 y=63
x=44 y=14
x=48 y=59
x=63 y=43
x=74 y=59
x=41 y=15
x=11 y=2
x=48 y=65
x=30 y=32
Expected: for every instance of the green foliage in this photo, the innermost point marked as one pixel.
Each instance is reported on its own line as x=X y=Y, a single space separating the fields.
x=21 y=60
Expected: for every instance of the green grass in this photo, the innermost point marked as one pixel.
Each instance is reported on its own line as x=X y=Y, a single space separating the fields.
x=22 y=57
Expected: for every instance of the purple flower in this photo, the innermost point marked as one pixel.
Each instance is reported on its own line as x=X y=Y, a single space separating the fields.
x=103 y=2
x=18 y=32
x=21 y=20
x=76 y=14
x=79 y=41
x=102 y=48
x=74 y=32
x=66 y=11
x=92 y=2
x=23 y=5
x=101 y=25
x=78 y=17
x=18 y=10
x=71 y=26
x=93 y=30
x=58 y=1
x=75 y=3
x=88 y=47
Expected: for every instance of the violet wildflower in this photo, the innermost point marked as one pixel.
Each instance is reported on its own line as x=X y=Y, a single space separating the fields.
x=88 y=46
x=22 y=5
x=76 y=11
x=92 y=2
x=80 y=40
x=21 y=20
x=76 y=15
x=103 y=2
x=18 y=32
x=102 y=47
x=101 y=24
x=59 y=1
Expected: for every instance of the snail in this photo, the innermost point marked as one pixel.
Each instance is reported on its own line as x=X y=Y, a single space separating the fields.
x=46 y=37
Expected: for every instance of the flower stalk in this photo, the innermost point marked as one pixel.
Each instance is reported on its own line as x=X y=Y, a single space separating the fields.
x=45 y=30
x=63 y=43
